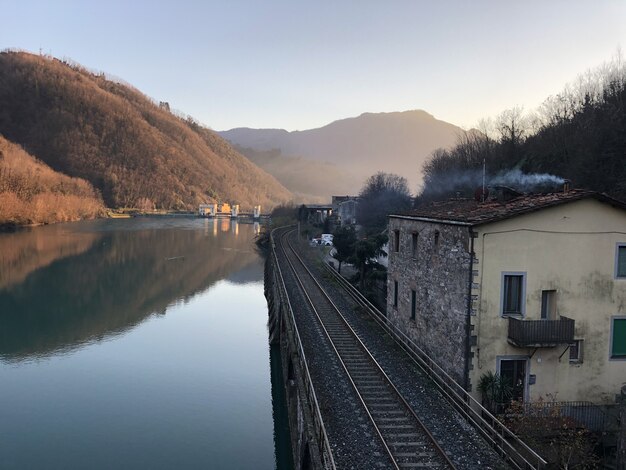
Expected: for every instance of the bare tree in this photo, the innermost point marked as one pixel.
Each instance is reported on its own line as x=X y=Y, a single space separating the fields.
x=382 y=194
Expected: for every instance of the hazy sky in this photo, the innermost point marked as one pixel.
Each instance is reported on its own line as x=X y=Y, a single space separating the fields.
x=299 y=65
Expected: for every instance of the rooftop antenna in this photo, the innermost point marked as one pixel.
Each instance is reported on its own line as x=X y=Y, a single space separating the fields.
x=484 y=172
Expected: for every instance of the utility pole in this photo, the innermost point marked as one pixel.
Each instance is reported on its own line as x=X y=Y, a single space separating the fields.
x=484 y=178
x=621 y=437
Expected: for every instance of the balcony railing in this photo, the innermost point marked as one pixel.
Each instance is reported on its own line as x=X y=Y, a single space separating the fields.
x=540 y=333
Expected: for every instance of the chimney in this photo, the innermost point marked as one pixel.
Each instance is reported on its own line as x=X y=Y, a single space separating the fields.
x=481 y=194
x=504 y=193
x=567 y=185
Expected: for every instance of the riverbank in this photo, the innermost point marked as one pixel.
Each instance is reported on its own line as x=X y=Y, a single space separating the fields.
x=13 y=226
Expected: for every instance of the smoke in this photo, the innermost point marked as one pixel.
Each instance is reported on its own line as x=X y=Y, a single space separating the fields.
x=465 y=182
x=526 y=182
x=451 y=181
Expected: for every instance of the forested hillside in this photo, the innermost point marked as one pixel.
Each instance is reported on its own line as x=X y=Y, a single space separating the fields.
x=137 y=153
x=31 y=192
x=579 y=134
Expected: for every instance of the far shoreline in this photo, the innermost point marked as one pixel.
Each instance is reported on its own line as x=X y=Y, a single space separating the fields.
x=11 y=227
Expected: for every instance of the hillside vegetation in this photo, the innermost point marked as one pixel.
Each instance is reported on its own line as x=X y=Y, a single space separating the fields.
x=137 y=153
x=579 y=134
x=31 y=192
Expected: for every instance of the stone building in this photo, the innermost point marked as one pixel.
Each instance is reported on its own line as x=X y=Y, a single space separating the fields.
x=530 y=286
x=345 y=207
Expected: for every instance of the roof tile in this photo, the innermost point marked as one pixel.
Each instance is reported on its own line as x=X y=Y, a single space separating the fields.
x=474 y=212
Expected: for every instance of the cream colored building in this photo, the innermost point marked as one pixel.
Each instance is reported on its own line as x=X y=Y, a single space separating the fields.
x=546 y=304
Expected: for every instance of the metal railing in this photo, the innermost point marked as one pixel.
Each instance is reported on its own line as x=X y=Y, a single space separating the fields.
x=579 y=413
x=504 y=441
x=318 y=423
x=537 y=333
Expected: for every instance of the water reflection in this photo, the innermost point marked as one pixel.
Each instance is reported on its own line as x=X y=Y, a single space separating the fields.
x=32 y=249
x=64 y=286
x=282 y=443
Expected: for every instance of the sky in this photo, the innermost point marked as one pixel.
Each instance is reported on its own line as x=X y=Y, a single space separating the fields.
x=298 y=65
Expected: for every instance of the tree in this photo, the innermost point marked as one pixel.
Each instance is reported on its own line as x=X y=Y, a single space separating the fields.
x=577 y=134
x=496 y=391
x=365 y=253
x=512 y=126
x=460 y=169
x=382 y=194
x=344 y=239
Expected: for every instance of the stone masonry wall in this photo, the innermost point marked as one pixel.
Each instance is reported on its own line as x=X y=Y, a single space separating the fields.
x=438 y=271
x=304 y=440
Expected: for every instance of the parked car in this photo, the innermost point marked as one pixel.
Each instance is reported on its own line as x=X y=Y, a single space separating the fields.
x=327 y=239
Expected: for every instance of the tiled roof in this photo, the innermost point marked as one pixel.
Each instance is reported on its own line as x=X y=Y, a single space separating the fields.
x=472 y=212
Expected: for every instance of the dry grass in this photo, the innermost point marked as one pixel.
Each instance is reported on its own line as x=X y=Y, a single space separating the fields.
x=31 y=192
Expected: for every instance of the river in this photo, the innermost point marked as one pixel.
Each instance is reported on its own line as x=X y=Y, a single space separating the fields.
x=138 y=343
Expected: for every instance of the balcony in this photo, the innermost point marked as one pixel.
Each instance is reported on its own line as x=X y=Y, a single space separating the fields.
x=540 y=333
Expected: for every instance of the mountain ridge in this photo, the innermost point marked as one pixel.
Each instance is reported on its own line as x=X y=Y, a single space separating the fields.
x=396 y=142
x=135 y=152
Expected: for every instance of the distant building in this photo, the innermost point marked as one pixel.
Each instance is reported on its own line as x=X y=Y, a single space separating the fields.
x=315 y=213
x=222 y=209
x=206 y=210
x=532 y=287
x=345 y=209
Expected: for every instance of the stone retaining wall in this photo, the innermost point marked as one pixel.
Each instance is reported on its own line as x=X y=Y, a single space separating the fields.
x=304 y=442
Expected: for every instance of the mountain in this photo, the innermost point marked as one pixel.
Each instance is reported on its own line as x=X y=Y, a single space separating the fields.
x=31 y=192
x=358 y=147
x=308 y=180
x=134 y=151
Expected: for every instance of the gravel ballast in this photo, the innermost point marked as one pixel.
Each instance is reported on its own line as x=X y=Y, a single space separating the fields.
x=352 y=437
x=462 y=443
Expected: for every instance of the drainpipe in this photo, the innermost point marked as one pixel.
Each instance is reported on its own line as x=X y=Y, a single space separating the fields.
x=468 y=320
x=621 y=439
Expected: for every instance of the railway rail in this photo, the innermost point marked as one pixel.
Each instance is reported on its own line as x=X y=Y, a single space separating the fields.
x=509 y=446
x=403 y=436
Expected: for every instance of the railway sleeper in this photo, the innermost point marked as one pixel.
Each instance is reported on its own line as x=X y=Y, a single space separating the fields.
x=396 y=427
x=419 y=464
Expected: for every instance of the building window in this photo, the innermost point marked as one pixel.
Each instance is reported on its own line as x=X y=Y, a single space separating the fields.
x=618 y=338
x=413 y=304
x=513 y=294
x=395 y=294
x=414 y=245
x=576 y=351
x=396 y=240
x=620 y=261
x=548 y=305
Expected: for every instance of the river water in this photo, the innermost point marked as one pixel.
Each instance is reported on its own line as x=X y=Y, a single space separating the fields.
x=138 y=343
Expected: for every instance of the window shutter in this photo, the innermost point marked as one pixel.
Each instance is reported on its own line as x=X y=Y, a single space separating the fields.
x=621 y=261
x=618 y=348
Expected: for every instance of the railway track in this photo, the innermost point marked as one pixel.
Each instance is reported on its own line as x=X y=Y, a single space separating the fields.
x=405 y=440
